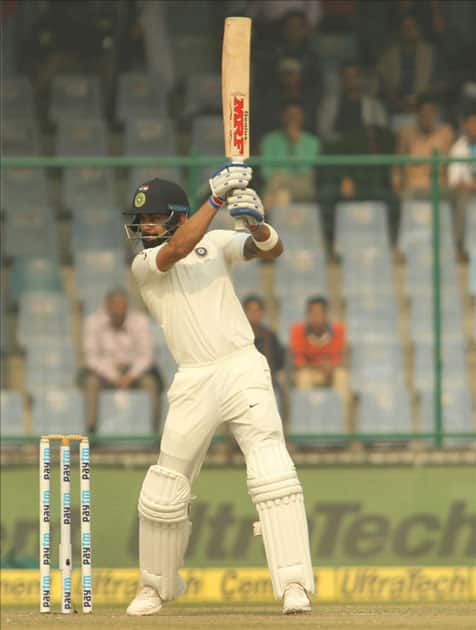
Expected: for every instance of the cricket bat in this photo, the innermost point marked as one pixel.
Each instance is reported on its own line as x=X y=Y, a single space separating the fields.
x=235 y=82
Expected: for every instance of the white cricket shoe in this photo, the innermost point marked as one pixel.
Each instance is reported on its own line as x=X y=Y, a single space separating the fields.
x=146 y=602
x=295 y=600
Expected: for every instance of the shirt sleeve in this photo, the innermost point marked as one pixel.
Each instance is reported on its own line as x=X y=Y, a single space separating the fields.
x=94 y=357
x=144 y=346
x=231 y=243
x=144 y=265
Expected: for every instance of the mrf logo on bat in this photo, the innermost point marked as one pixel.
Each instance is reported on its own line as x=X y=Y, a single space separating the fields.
x=239 y=123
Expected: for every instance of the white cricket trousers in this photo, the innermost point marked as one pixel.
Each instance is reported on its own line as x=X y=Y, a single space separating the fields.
x=236 y=389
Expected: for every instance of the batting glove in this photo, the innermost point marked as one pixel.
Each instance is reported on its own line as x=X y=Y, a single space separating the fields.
x=228 y=177
x=246 y=208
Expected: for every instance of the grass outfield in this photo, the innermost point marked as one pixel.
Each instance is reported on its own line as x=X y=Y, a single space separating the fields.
x=334 y=617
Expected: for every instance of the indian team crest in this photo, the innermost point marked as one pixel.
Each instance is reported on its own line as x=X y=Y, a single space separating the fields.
x=139 y=200
x=201 y=251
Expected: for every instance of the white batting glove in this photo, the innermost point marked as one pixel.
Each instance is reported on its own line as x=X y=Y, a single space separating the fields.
x=228 y=177
x=246 y=208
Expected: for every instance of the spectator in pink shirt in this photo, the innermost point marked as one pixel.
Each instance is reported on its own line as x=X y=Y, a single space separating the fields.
x=118 y=350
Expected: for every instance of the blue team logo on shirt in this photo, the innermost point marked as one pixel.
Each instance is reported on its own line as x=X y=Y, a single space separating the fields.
x=201 y=251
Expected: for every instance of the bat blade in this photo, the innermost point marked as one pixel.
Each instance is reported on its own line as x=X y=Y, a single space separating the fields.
x=236 y=87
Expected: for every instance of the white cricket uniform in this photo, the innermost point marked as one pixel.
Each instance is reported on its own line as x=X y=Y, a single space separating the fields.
x=221 y=376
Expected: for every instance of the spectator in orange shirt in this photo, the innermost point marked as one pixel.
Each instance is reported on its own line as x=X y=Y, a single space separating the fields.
x=318 y=346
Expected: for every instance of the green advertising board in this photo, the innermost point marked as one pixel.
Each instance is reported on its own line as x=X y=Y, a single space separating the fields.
x=373 y=516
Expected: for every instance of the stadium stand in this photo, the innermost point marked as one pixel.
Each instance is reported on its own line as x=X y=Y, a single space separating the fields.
x=124 y=413
x=31 y=231
x=34 y=274
x=16 y=97
x=24 y=186
x=84 y=188
x=50 y=363
x=316 y=411
x=137 y=98
x=43 y=317
x=75 y=97
x=57 y=410
x=12 y=411
x=20 y=136
x=78 y=136
x=95 y=273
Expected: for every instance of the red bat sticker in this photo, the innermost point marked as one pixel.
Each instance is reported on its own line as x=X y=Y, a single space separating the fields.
x=239 y=123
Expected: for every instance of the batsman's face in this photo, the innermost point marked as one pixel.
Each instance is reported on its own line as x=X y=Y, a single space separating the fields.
x=152 y=225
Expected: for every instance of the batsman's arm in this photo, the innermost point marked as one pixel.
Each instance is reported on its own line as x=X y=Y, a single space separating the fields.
x=262 y=234
x=186 y=237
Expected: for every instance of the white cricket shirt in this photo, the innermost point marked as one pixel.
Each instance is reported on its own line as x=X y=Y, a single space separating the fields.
x=194 y=301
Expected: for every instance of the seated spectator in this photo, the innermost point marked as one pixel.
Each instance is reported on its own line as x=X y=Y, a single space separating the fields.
x=289 y=86
x=407 y=68
x=318 y=346
x=118 y=348
x=350 y=109
x=413 y=181
x=266 y=341
x=462 y=176
x=287 y=142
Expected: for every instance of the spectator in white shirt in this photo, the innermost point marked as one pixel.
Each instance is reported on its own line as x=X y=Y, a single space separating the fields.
x=118 y=348
x=462 y=175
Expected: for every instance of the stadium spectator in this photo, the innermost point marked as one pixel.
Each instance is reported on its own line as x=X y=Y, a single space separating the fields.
x=407 y=68
x=266 y=341
x=349 y=109
x=118 y=348
x=291 y=140
x=413 y=181
x=290 y=85
x=318 y=347
x=462 y=176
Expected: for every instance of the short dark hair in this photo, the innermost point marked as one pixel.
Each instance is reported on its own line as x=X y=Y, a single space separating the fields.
x=426 y=99
x=114 y=293
x=253 y=297
x=468 y=112
x=317 y=299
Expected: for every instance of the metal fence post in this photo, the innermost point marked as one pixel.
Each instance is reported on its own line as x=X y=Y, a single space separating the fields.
x=436 y=241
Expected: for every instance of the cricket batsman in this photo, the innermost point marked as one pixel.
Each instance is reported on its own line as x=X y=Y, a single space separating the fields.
x=183 y=274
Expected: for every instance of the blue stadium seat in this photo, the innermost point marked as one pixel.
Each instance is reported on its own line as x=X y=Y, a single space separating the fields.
x=50 y=364
x=75 y=96
x=43 y=317
x=470 y=228
x=96 y=229
x=367 y=271
x=360 y=224
x=31 y=231
x=456 y=407
x=299 y=224
x=12 y=409
x=300 y=270
x=202 y=94
x=137 y=97
x=421 y=316
x=17 y=97
x=22 y=187
x=34 y=274
x=150 y=137
x=374 y=366
x=454 y=368
x=387 y=410
x=372 y=319
x=472 y=273
x=207 y=136
x=58 y=410
x=20 y=137
x=96 y=273
x=416 y=227
x=316 y=411
x=124 y=412
x=78 y=136
x=88 y=188
x=419 y=271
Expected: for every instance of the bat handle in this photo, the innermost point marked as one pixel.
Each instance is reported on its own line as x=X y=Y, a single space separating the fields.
x=240 y=224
